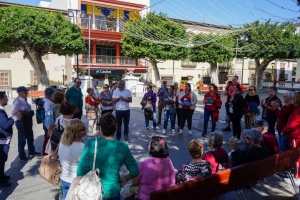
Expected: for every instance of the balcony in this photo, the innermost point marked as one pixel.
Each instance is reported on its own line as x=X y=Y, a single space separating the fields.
x=109 y=60
x=103 y=24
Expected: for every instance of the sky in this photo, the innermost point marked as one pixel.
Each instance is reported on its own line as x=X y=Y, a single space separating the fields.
x=220 y=12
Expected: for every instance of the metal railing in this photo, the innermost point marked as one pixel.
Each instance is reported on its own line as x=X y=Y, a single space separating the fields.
x=133 y=89
x=283 y=85
x=109 y=60
x=109 y=24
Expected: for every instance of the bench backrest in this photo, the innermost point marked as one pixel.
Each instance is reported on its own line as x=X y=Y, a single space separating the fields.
x=37 y=94
x=230 y=179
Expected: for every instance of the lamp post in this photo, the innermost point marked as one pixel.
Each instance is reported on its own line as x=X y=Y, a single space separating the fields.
x=89 y=52
x=63 y=76
x=71 y=15
x=274 y=75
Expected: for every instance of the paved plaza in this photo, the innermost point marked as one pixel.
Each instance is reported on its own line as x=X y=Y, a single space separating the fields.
x=28 y=184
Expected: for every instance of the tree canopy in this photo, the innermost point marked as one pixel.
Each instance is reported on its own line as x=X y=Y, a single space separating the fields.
x=265 y=42
x=218 y=50
x=152 y=37
x=38 y=32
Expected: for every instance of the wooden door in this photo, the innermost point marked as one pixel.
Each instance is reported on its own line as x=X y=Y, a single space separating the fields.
x=223 y=77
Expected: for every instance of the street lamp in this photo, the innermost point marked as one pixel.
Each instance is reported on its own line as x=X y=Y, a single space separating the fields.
x=71 y=15
x=82 y=15
x=273 y=73
x=63 y=76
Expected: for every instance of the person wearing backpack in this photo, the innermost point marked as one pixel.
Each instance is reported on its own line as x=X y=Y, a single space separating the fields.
x=67 y=110
x=69 y=152
x=20 y=104
x=111 y=154
x=213 y=103
x=217 y=157
x=236 y=112
x=49 y=92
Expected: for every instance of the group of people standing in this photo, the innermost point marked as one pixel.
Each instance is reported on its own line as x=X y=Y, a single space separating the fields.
x=172 y=101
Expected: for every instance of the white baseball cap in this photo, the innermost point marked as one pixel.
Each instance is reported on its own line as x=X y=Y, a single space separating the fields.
x=61 y=87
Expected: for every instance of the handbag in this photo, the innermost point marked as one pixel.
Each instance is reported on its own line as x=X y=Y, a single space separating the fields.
x=89 y=187
x=50 y=168
x=91 y=112
x=129 y=190
x=149 y=106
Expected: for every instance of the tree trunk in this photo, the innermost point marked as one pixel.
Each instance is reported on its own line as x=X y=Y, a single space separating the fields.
x=156 y=72
x=214 y=73
x=38 y=65
x=259 y=70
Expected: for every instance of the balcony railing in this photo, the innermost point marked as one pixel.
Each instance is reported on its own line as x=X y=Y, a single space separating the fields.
x=283 y=85
x=109 y=60
x=103 y=24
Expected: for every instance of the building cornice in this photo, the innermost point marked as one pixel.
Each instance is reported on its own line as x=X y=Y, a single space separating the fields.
x=116 y=4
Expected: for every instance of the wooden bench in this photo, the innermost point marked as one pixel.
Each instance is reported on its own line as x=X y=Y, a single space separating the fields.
x=231 y=179
x=246 y=88
x=34 y=94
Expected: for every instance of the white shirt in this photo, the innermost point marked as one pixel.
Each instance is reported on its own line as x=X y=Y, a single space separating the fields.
x=96 y=92
x=122 y=105
x=69 y=158
x=62 y=121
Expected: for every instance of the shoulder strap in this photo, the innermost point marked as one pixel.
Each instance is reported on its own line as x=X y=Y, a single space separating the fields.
x=95 y=153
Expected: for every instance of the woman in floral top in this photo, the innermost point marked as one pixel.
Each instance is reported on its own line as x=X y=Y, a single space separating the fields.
x=197 y=167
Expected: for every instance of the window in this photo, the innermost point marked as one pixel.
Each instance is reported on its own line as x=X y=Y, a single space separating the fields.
x=239 y=60
x=4 y=79
x=4 y=55
x=33 y=77
x=294 y=69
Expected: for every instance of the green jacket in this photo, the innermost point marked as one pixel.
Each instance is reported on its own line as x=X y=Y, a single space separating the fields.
x=111 y=155
x=75 y=97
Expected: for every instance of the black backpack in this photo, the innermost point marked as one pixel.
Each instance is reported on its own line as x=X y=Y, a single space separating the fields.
x=55 y=136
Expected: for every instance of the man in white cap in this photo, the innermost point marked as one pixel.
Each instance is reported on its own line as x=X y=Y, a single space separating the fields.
x=62 y=88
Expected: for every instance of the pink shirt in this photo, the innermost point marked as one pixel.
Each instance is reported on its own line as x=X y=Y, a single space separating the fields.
x=155 y=174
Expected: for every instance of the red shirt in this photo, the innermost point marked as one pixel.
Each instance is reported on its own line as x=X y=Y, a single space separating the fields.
x=230 y=87
x=270 y=141
x=292 y=128
x=283 y=116
x=93 y=101
x=221 y=156
x=217 y=101
x=186 y=97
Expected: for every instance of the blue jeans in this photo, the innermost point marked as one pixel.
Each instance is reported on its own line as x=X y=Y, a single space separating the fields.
x=283 y=141
x=166 y=118
x=122 y=115
x=207 y=114
x=118 y=197
x=65 y=188
x=22 y=137
x=154 y=116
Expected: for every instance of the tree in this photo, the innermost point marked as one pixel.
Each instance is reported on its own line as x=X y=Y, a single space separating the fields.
x=155 y=37
x=38 y=32
x=218 y=49
x=265 y=42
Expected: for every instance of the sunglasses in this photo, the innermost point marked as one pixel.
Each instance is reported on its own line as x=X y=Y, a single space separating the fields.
x=78 y=82
x=105 y=87
x=251 y=89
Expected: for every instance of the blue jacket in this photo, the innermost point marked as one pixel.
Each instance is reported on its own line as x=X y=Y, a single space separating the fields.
x=6 y=125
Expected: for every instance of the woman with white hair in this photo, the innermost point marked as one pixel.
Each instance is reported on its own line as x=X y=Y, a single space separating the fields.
x=283 y=117
x=253 y=151
x=217 y=157
x=96 y=91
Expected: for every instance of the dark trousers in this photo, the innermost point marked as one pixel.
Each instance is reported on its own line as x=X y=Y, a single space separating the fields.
x=271 y=127
x=46 y=138
x=160 y=108
x=207 y=114
x=3 y=158
x=106 y=111
x=78 y=115
x=178 y=115
x=186 y=115
x=122 y=116
x=22 y=138
x=236 y=125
